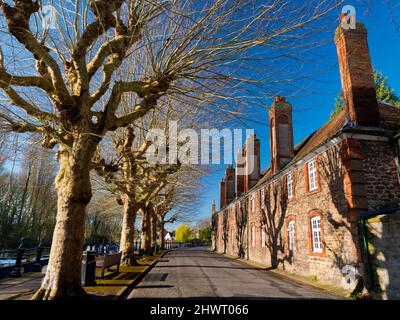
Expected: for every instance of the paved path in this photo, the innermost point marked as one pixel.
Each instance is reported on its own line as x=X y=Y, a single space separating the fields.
x=198 y=273
x=20 y=288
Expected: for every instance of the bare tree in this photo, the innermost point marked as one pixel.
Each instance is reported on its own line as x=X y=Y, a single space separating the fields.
x=67 y=84
x=27 y=197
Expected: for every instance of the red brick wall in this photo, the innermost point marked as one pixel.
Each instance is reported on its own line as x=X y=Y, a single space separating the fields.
x=329 y=200
x=341 y=172
x=382 y=183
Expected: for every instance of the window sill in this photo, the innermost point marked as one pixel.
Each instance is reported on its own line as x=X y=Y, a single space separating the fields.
x=310 y=193
x=318 y=254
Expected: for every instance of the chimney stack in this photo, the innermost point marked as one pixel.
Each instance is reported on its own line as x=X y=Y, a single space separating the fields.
x=239 y=175
x=357 y=76
x=230 y=184
x=222 y=194
x=252 y=165
x=281 y=133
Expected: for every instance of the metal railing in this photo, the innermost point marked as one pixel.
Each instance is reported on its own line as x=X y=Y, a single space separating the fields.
x=102 y=249
x=171 y=244
x=31 y=259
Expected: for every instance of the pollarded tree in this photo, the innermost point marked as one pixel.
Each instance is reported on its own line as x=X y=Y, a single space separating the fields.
x=67 y=83
x=135 y=184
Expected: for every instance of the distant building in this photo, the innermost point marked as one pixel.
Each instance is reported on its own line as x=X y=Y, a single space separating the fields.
x=169 y=236
x=304 y=213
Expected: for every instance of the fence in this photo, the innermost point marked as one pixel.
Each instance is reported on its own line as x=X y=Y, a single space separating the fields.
x=104 y=249
x=170 y=244
x=33 y=259
x=29 y=259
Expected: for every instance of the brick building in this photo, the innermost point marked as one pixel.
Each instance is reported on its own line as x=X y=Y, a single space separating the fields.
x=302 y=214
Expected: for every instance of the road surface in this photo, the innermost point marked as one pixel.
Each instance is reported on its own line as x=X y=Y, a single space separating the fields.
x=200 y=274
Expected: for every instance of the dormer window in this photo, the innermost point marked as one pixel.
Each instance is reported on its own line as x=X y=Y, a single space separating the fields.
x=289 y=185
x=252 y=202
x=312 y=175
x=262 y=198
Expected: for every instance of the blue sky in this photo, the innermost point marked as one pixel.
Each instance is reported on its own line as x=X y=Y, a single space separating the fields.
x=312 y=107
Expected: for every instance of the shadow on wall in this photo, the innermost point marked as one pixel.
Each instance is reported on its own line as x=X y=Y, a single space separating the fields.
x=273 y=218
x=225 y=229
x=241 y=219
x=344 y=227
x=383 y=234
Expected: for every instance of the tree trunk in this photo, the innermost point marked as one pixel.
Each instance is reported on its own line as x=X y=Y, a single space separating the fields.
x=146 y=232
x=63 y=276
x=161 y=235
x=128 y=231
x=154 y=243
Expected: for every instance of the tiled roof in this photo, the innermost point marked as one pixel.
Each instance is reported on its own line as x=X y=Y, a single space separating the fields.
x=390 y=120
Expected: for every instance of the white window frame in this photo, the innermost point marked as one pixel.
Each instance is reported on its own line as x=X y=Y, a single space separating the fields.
x=312 y=175
x=253 y=236
x=289 y=185
x=262 y=198
x=263 y=236
x=316 y=234
x=292 y=235
x=252 y=202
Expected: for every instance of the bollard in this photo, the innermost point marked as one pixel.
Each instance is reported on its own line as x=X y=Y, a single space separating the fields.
x=88 y=277
x=16 y=271
x=38 y=264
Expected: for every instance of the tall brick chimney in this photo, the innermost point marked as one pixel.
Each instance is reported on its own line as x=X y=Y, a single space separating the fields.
x=230 y=184
x=239 y=176
x=222 y=195
x=252 y=165
x=281 y=133
x=357 y=76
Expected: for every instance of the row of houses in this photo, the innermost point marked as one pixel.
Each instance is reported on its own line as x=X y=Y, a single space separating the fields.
x=303 y=214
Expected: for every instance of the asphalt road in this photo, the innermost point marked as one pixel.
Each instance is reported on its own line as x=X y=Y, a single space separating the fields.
x=199 y=273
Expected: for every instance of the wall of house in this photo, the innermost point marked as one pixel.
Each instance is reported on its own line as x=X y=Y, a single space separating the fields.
x=384 y=250
x=382 y=183
x=329 y=201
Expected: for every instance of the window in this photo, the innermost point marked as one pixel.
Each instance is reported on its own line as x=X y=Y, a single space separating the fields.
x=316 y=234
x=262 y=198
x=289 y=184
x=291 y=235
x=253 y=236
x=312 y=175
x=253 y=207
x=263 y=236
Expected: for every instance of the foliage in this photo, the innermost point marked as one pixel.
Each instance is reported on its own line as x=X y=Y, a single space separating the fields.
x=27 y=198
x=384 y=93
x=102 y=227
x=183 y=233
x=205 y=234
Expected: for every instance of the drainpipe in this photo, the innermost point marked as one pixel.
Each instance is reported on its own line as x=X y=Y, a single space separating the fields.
x=364 y=240
x=364 y=216
x=248 y=228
